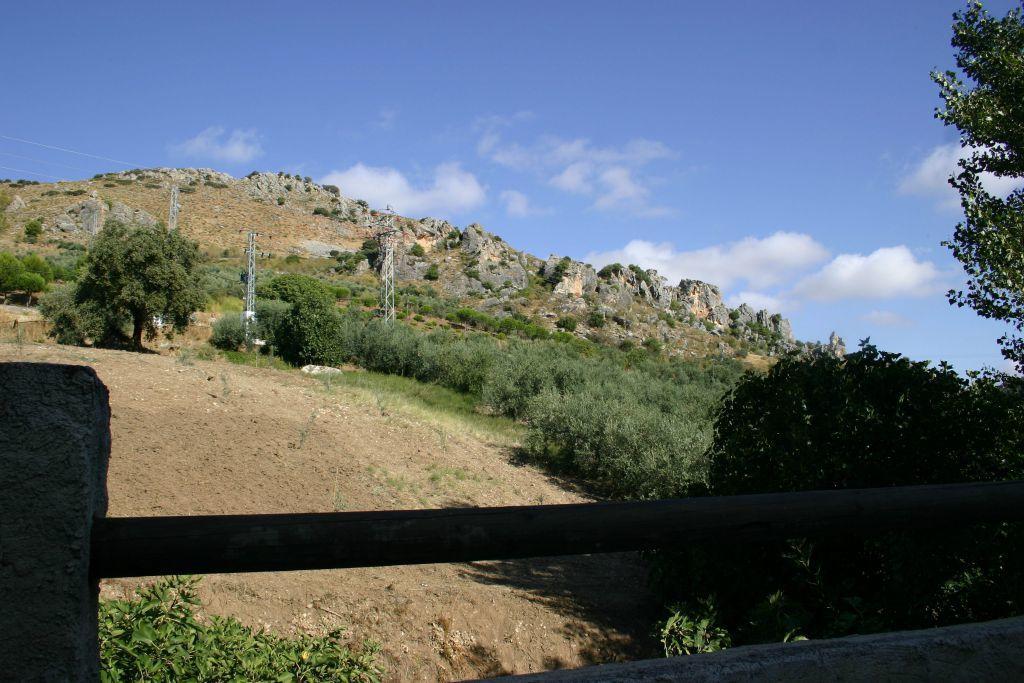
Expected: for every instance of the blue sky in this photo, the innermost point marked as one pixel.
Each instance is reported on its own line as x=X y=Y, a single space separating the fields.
x=786 y=151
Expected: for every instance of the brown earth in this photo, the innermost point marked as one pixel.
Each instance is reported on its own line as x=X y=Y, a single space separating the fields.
x=209 y=437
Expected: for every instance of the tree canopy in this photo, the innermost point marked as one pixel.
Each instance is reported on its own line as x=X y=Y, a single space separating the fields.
x=134 y=274
x=985 y=101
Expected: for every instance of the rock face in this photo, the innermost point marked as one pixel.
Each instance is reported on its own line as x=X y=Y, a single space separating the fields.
x=122 y=213
x=836 y=346
x=704 y=301
x=90 y=215
x=17 y=204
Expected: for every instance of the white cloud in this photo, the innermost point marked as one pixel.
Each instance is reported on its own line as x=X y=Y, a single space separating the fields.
x=760 y=262
x=757 y=301
x=452 y=189
x=620 y=188
x=576 y=165
x=518 y=204
x=574 y=178
x=884 y=273
x=930 y=177
x=886 y=319
x=238 y=147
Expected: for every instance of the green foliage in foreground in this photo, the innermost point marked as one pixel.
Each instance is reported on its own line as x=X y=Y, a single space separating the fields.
x=873 y=419
x=157 y=637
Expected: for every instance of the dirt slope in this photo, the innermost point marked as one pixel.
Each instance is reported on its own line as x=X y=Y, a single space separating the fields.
x=200 y=437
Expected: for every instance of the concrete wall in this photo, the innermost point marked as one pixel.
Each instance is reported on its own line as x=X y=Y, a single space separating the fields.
x=54 y=448
x=990 y=651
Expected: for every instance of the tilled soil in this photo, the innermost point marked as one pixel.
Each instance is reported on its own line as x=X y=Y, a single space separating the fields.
x=197 y=437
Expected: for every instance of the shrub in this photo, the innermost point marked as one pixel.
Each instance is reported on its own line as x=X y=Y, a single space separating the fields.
x=269 y=316
x=294 y=288
x=33 y=229
x=610 y=270
x=280 y=201
x=417 y=250
x=567 y=323
x=73 y=322
x=156 y=636
x=874 y=419
x=363 y=203
x=34 y=264
x=311 y=332
x=228 y=333
x=321 y=211
x=333 y=189
x=433 y=272
x=553 y=276
x=596 y=319
x=292 y=259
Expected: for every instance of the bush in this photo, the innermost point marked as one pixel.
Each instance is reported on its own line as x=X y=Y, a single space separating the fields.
x=280 y=201
x=567 y=323
x=228 y=333
x=874 y=419
x=157 y=637
x=294 y=288
x=321 y=211
x=596 y=319
x=72 y=322
x=555 y=275
x=292 y=259
x=417 y=250
x=433 y=272
x=33 y=229
x=310 y=333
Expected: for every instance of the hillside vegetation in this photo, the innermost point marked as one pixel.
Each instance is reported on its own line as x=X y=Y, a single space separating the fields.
x=318 y=228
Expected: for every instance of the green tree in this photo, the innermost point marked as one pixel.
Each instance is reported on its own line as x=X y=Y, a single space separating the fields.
x=133 y=274
x=34 y=264
x=10 y=270
x=986 y=103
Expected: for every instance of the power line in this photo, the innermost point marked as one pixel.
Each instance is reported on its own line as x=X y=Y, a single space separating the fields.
x=48 y=163
x=21 y=170
x=69 y=151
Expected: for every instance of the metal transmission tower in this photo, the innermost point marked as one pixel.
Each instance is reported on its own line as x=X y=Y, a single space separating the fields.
x=387 y=239
x=249 y=314
x=172 y=212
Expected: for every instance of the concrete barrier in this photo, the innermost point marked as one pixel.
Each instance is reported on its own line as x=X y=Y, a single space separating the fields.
x=54 y=449
x=989 y=651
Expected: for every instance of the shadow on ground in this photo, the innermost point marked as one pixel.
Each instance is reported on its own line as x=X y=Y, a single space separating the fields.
x=608 y=608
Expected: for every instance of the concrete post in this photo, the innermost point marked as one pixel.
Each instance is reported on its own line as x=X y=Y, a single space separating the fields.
x=54 y=448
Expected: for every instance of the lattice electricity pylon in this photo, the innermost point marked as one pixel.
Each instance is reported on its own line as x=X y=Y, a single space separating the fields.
x=172 y=212
x=249 y=314
x=387 y=240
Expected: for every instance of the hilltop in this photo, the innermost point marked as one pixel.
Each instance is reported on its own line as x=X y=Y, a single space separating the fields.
x=620 y=304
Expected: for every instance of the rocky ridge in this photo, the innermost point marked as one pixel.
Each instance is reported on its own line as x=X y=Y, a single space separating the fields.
x=616 y=304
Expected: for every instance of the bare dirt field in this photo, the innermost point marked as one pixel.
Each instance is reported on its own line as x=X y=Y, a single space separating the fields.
x=210 y=437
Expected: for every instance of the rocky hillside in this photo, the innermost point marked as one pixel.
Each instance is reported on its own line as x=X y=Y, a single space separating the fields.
x=618 y=304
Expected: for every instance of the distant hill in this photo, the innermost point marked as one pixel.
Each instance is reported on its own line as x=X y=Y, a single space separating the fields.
x=620 y=304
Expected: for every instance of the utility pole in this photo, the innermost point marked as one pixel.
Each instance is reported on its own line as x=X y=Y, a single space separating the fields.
x=387 y=238
x=249 y=314
x=172 y=212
